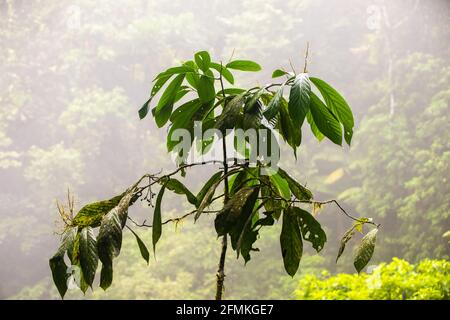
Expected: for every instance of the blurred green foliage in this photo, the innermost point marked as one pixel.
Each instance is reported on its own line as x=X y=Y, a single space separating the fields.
x=397 y=280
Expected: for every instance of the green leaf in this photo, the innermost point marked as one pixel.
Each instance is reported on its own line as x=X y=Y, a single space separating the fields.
x=337 y=105
x=165 y=104
x=299 y=191
x=211 y=181
x=224 y=71
x=231 y=91
x=92 y=214
x=174 y=70
x=143 y=111
x=319 y=135
x=273 y=108
x=179 y=188
x=325 y=120
x=106 y=275
x=281 y=185
x=365 y=250
x=182 y=118
x=229 y=116
x=345 y=238
x=203 y=60
x=244 y=65
x=109 y=239
x=279 y=73
x=299 y=99
x=290 y=133
x=157 y=223
x=57 y=264
x=236 y=212
x=291 y=242
x=205 y=89
x=142 y=247
x=311 y=229
x=88 y=255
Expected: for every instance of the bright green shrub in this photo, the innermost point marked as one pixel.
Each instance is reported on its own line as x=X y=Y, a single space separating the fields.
x=428 y=280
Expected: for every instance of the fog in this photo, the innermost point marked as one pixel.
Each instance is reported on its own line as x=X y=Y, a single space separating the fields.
x=74 y=74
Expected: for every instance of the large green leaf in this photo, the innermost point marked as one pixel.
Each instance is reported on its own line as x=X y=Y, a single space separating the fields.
x=88 y=254
x=299 y=191
x=142 y=247
x=325 y=120
x=92 y=214
x=365 y=250
x=291 y=242
x=224 y=71
x=311 y=229
x=203 y=60
x=157 y=222
x=337 y=105
x=57 y=264
x=299 y=99
x=243 y=65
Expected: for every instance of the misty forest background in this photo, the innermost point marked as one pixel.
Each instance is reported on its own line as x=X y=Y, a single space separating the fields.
x=74 y=73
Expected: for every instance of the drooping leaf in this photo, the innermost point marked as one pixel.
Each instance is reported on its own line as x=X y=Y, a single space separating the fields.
x=299 y=191
x=281 y=185
x=142 y=247
x=109 y=239
x=236 y=211
x=57 y=264
x=88 y=255
x=291 y=242
x=365 y=250
x=337 y=105
x=299 y=99
x=157 y=223
x=206 y=187
x=325 y=120
x=311 y=229
x=290 y=133
x=243 y=65
x=106 y=275
x=210 y=188
x=143 y=111
x=224 y=71
x=345 y=238
x=203 y=60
